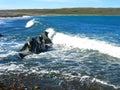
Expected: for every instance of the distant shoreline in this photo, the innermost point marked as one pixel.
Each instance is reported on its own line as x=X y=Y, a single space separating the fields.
x=61 y=12
x=12 y=16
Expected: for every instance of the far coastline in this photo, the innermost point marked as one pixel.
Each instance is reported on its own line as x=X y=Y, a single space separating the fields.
x=61 y=12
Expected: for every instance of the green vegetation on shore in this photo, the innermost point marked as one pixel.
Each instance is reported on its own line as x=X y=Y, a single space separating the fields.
x=63 y=11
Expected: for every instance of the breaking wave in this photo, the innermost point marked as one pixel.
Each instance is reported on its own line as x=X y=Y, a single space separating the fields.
x=86 y=43
x=31 y=22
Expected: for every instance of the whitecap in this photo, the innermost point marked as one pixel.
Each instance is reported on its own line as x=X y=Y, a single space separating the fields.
x=86 y=44
x=31 y=22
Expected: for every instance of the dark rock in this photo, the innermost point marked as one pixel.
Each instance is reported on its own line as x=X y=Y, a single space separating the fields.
x=36 y=88
x=1 y=35
x=21 y=55
x=36 y=45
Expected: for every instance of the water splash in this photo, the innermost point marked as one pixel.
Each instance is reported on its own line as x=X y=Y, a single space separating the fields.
x=51 y=32
x=32 y=22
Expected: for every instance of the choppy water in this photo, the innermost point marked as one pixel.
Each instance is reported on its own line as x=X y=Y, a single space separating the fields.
x=84 y=47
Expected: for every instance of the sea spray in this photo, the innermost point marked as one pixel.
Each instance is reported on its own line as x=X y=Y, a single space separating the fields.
x=51 y=32
x=32 y=22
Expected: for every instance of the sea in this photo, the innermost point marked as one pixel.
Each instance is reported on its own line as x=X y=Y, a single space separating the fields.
x=85 y=54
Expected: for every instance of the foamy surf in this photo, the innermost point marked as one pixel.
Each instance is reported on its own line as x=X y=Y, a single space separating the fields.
x=86 y=43
x=2 y=22
x=26 y=16
x=32 y=22
x=10 y=49
x=42 y=72
x=14 y=18
x=95 y=80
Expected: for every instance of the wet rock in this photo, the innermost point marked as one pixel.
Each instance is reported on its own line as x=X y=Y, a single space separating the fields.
x=1 y=35
x=36 y=45
x=36 y=88
x=37 y=82
x=2 y=86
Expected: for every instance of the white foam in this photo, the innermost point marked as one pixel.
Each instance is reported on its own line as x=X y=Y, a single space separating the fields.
x=105 y=83
x=2 y=22
x=30 y=23
x=19 y=17
x=86 y=43
x=7 y=54
x=26 y=16
x=51 y=32
x=10 y=67
x=7 y=49
x=92 y=80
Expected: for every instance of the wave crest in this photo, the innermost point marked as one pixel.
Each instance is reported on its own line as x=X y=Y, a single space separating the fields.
x=86 y=43
x=31 y=22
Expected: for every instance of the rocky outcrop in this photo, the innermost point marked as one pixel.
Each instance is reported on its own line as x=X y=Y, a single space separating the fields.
x=36 y=45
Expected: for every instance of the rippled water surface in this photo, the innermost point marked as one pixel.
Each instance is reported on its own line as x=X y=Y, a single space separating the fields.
x=85 y=48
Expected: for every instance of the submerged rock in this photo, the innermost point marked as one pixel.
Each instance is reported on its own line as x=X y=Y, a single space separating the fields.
x=36 y=88
x=1 y=35
x=36 y=82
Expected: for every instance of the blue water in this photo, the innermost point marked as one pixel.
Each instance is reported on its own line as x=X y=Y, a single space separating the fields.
x=84 y=47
